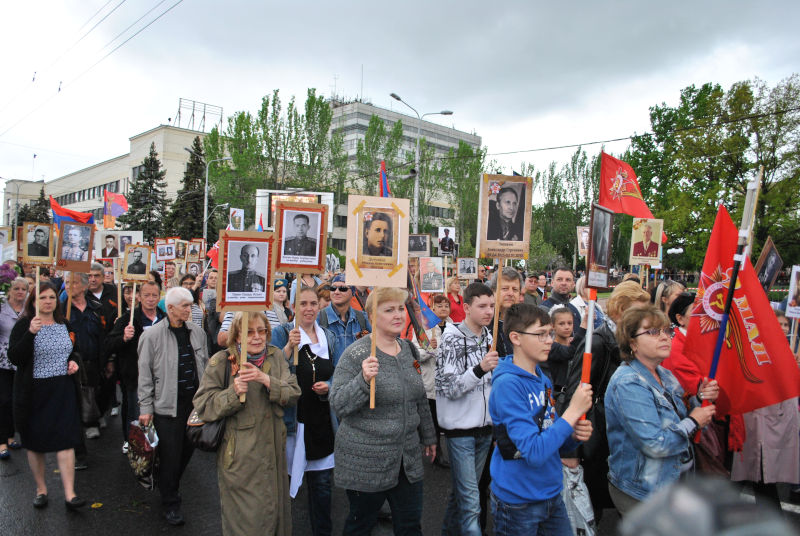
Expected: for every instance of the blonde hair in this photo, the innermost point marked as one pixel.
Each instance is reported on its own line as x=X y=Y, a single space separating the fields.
x=664 y=291
x=450 y=282
x=625 y=295
x=381 y=295
x=236 y=330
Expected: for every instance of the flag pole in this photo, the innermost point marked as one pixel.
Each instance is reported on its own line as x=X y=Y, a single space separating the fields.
x=496 y=304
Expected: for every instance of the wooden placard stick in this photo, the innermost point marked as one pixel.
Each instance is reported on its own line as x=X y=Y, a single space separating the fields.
x=586 y=368
x=794 y=335
x=497 y=301
x=119 y=290
x=297 y=288
x=69 y=295
x=37 y=290
x=372 y=352
x=133 y=302
x=243 y=348
x=444 y=276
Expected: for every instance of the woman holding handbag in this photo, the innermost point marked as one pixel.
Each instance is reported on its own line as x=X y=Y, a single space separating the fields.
x=45 y=394
x=251 y=461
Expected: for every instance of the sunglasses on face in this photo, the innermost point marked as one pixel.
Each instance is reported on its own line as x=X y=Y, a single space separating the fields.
x=655 y=332
x=340 y=288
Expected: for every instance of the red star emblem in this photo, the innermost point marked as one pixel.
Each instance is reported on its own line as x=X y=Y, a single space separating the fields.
x=494 y=188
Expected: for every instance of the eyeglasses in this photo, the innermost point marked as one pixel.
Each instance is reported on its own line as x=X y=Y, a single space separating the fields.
x=655 y=332
x=543 y=336
x=340 y=289
x=262 y=332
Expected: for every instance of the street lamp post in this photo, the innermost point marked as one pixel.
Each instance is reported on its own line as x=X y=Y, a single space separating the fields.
x=415 y=216
x=205 y=190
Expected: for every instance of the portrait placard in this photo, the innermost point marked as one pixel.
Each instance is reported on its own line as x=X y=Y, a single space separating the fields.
x=769 y=265
x=793 y=305
x=504 y=217
x=5 y=235
x=236 y=219
x=134 y=264
x=447 y=241
x=467 y=268
x=583 y=240
x=9 y=251
x=39 y=245
x=302 y=233
x=377 y=241
x=646 y=241
x=194 y=268
x=431 y=274
x=165 y=249
x=419 y=245
x=181 y=247
x=197 y=250
x=245 y=270
x=75 y=243
x=598 y=261
x=111 y=244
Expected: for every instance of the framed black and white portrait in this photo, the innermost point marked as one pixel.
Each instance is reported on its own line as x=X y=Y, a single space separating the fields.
x=245 y=268
x=377 y=241
x=769 y=265
x=75 y=242
x=39 y=245
x=504 y=216
x=599 y=256
x=301 y=229
x=134 y=263
x=419 y=245
x=467 y=268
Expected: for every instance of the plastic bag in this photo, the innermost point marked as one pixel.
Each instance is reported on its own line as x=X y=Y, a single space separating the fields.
x=577 y=500
x=142 y=453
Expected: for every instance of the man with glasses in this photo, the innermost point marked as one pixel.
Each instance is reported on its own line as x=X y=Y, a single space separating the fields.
x=345 y=323
x=463 y=387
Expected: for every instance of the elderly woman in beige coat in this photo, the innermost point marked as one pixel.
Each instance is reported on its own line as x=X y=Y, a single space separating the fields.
x=251 y=461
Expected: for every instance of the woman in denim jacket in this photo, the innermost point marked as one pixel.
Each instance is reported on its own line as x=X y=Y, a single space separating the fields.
x=647 y=421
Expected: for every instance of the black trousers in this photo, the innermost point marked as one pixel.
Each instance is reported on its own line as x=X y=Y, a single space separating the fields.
x=174 y=452
x=6 y=407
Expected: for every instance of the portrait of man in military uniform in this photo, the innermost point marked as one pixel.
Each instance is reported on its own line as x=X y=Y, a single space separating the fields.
x=378 y=235
x=296 y=241
x=249 y=277
x=432 y=277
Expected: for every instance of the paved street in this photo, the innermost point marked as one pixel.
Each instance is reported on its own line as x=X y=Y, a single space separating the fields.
x=122 y=507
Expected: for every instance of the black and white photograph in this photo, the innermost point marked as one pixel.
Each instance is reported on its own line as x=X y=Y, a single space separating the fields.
x=431 y=274
x=377 y=241
x=195 y=253
x=504 y=216
x=111 y=244
x=124 y=240
x=194 y=268
x=419 y=245
x=599 y=256
x=447 y=241
x=73 y=251
x=39 y=242
x=5 y=235
x=769 y=265
x=180 y=249
x=246 y=271
x=467 y=268
x=300 y=233
x=134 y=264
x=110 y=248
x=165 y=249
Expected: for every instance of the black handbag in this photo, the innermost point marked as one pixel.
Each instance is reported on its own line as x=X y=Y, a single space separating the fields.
x=207 y=436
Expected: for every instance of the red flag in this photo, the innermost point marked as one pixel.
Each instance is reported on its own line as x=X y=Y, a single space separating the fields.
x=619 y=189
x=213 y=254
x=756 y=366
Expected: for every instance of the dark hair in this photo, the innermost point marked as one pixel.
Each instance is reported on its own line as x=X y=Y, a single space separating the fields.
x=505 y=190
x=145 y=283
x=157 y=279
x=555 y=311
x=439 y=298
x=564 y=269
x=679 y=306
x=185 y=277
x=30 y=303
x=632 y=319
x=305 y=217
x=379 y=216
x=475 y=290
x=521 y=315
x=169 y=263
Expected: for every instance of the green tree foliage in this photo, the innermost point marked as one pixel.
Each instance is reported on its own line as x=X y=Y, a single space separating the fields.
x=38 y=212
x=704 y=151
x=379 y=144
x=147 y=201
x=464 y=167
x=185 y=218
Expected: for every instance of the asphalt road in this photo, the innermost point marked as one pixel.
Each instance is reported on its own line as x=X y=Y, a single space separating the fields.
x=119 y=506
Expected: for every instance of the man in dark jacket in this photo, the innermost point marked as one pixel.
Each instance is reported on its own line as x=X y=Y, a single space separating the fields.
x=123 y=341
x=561 y=294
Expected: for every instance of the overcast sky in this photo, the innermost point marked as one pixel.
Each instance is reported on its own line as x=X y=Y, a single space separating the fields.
x=522 y=75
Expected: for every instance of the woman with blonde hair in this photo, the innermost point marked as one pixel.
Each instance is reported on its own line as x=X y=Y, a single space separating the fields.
x=251 y=460
x=666 y=292
x=378 y=455
x=581 y=303
x=453 y=290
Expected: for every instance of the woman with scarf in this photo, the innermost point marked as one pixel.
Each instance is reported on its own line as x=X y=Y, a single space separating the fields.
x=251 y=460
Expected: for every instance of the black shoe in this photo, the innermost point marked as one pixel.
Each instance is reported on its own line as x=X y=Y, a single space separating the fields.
x=174 y=517
x=40 y=501
x=80 y=465
x=441 y=463
x=75 y=503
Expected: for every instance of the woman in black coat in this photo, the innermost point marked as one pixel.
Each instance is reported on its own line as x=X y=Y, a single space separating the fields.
x=45 y=393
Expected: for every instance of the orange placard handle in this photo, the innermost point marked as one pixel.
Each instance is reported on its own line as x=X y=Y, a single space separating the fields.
x=586 y=372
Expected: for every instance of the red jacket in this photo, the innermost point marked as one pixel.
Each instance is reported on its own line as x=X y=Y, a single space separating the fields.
x=457 y=313
x=681 y=366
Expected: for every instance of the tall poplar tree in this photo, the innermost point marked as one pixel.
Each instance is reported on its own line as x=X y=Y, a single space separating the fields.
x=186 y=215
x=147 y=199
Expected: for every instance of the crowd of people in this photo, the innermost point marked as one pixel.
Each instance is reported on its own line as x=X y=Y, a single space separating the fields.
x=504 y=411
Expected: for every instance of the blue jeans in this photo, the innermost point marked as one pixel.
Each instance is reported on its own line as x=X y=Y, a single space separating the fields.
x=544 y=517
x=405 y=500
x=467 y=457
x=319 y=501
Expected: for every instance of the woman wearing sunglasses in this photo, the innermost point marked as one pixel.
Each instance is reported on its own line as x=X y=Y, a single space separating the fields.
x=649 y=427
x=251 y=460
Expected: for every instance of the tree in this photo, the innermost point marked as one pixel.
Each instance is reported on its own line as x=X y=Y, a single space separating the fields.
x=38 y=212
x=147 y=199
x=185 y=217
x=464 y=166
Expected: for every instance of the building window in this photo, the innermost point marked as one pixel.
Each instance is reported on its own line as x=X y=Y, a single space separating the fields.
x=339 y=243
x=136 y=171
x=340 y=221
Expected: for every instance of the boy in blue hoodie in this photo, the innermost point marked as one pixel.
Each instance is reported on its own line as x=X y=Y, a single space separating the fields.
x=526 y=467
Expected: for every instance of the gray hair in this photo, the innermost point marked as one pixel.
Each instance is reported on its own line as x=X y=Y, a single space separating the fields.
x=97 y=267
x=21 y=280
x=82 y=277
x=509 y=274
x=177 y=296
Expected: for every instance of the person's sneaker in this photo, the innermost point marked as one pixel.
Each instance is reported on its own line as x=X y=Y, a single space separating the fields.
x=174 y=517
x=103 y=423
x=125 y=448
x=115 y=411
x=92 y=432
x=81 y=465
